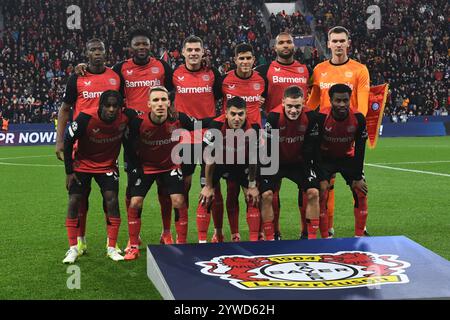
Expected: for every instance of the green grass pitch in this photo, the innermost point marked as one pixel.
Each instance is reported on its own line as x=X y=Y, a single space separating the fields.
x=409 y=188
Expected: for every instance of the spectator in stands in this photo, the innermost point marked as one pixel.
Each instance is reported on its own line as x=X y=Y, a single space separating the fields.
x=38 y=52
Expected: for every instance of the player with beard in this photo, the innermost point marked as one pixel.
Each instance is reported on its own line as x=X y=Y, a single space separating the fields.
x=282 y=73
x=83 y=95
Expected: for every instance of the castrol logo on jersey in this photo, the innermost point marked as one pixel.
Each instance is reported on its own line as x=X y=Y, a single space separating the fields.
x=154 y=70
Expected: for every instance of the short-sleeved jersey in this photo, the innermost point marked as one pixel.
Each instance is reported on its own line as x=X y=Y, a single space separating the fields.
x=153 y=143
x=196 y=93
x=291 y=133
x=250 y=89
x=281 y=76
x=98 y=142
x=352 y=73
x=138 y=79
x=235 y=147
x=83 y=92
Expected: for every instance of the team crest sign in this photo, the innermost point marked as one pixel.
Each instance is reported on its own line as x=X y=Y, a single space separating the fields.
x=344 y=269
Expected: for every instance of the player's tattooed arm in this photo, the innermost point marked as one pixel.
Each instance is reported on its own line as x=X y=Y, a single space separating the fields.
x=63 y=117
x=74 y=132
x=69 y=99
x=129 y=146
x=207 y=193
x=360 y=146
x=80 y=69
x=190 y=123
x=252 y=192
x=311 y=145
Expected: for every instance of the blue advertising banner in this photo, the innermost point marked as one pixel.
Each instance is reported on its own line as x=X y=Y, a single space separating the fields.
x=28 y=134
x=413 y=129
x=369 y=268
x=304 y=41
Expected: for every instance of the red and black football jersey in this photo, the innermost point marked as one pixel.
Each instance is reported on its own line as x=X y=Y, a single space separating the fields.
x=336 y=140
x=83 y=92
x=281 y=76
x=291 y=133
x=98 y=142
x=234 y=148
x=153 y=143
x=196 y=93
x=138 y=79
x=250 y=89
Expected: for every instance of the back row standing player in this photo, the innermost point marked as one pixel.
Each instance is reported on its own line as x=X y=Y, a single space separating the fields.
x=138 y=74
x=83 y=95
x=197 y=89
x=339 y=69
x=285 y=71
x=251 y=86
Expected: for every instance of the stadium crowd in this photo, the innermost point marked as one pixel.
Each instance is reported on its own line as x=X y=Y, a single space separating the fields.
x=38 y=52
x=410 y=51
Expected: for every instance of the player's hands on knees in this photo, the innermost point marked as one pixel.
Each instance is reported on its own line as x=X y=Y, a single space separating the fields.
x=252 y=196
x=72 y=178
x=80 y=69
x=206 y=196
x=59 y=150
x=360 y=185
x=261 y=100
x=324 y=185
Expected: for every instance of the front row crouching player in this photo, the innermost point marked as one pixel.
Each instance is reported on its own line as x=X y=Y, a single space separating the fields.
x=293 y=122
x=341 y=139
x=230 y=151
x=149 y=154
x=99 y=135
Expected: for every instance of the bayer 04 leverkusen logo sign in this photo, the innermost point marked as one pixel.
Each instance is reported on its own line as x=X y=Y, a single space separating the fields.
x=345 y=269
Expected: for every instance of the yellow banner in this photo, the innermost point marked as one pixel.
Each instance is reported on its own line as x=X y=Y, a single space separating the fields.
x=284 y=259
x=322 y=284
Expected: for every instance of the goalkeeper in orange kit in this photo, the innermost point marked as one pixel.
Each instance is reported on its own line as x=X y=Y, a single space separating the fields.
x=339 y=69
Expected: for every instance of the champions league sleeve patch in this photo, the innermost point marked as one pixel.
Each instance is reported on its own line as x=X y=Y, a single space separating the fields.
x=345 y=269
x=73 y=128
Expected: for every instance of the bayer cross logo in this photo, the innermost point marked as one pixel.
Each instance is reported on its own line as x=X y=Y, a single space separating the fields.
x=309 y=271
x=345 y=269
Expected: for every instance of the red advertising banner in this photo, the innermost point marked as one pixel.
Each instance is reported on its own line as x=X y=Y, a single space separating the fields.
x=377 y=100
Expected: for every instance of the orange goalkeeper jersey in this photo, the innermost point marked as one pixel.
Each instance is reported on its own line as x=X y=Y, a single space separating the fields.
x=351 y=73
